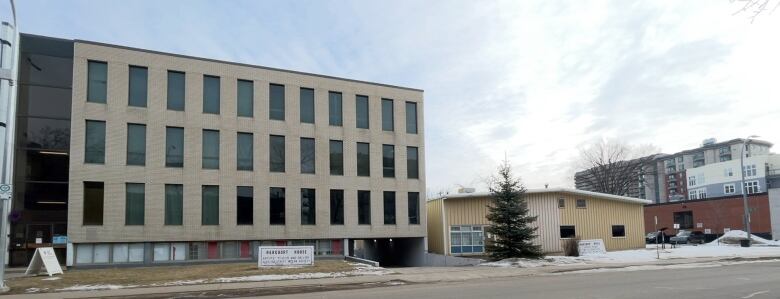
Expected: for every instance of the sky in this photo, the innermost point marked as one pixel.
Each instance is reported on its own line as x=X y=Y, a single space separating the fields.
x=532 y=82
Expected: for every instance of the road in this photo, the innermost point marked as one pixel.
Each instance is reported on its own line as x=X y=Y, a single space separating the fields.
x=752 y=280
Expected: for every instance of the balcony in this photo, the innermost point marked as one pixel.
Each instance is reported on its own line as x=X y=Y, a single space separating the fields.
x=671 y=178
x=671 y=186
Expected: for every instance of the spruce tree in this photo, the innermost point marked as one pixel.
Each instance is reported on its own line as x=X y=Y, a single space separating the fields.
x=511 y=226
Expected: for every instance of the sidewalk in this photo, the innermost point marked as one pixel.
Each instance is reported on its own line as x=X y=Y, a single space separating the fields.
x=402 y=276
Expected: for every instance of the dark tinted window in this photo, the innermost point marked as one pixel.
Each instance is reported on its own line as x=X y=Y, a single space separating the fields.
x=246 y=93
x=244 y=205
x=210 y=149
x=335 y=109
x=411 y=117
x=567 y=231
x=277 y=206
x=337 y=207
x=307 y=105
x=308 y=207
x=95 y=145
x=46 y=68
x=175 y=91
x=412 y=163
x=387 y=114
x=174 y=198
x=134 y=204
x=44 y=101
x=276 y=102
x=361 y=111
x=137 y=86
x=581 y=203
x=210 y=205
x=42 y=165
x=414 y=207
x=618 y=231
x=276 y=153
x=43 y=133
x=210 y=94
x=364 y=207
x=97 y=81
x=174 y=147
x=336 y=157
x=389 y=207
x=388 y=161
x=307 y=155
x=245 y=151
x=136 y=144
x=93 y=203
x=684 y=219
x=363 y=159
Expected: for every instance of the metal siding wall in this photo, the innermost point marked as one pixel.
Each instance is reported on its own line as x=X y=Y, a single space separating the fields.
x=595 y=221
x=435 y=228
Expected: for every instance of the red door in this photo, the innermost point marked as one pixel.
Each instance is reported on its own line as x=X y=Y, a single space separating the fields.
x=245 y=252
x=213 y=250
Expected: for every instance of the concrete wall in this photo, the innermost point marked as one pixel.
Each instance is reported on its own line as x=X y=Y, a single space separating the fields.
x=774 y=212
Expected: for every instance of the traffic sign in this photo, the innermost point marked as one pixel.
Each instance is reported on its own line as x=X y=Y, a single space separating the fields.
x=5 y=191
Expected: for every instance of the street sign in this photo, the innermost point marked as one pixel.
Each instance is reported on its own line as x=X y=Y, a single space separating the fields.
x=270 y=256
x=5 y=191
x=676 y=226
x=44 y=257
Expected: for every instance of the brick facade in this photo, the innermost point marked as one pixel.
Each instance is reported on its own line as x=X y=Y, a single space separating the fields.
x=714 y=214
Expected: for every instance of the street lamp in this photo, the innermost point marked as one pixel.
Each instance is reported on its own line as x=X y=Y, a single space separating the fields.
x=746 y=217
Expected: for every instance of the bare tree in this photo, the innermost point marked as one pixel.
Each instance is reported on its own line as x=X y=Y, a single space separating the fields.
x=754 y=8
x=614 y=167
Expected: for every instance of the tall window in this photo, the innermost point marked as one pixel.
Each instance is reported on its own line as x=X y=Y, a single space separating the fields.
x=388 y=160
x=244 y=205
x=134 y=204
x=137 y=88
x=412 y=163
x=685 y=219
x=389 y=207
x=411 y=117
x=210 y=149
x=95 y=145
x=97 y=81
x=175 y=91
x=335 y=117
x=276 y=153
x=245 y=98
x=387 y=115
x=308 y=207
x=136 y=144
x=749 y=170
x=93 y=203
x=276 y=102
x=363 y=159
x=209 y=205
x=210 y=94
x=174 y=147
x=337 y=207
x=174 y=200
x=277 y=206
x=361 y=111
x=245 y=151
x=364 y=207
x=307 y=155
x=336 y=157
x=307 y=105
x=414 y=208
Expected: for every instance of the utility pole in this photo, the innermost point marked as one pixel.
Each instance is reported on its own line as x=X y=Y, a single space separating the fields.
x=9 y=63
x=744 y=191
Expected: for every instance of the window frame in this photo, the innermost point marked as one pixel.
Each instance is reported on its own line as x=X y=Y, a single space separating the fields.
x=207 y=92
x=388 y=115
x=621 y=226
x=415 y=116
x=130 y=83
x=308 y=166
x=308 y=116
x=333 y=105
x=276 y=113
x=247 y=111
x=140 y=128
x=388 y=161
x=359 y=121
x=569 y=236
x=90 y=94
x=584 y=204
x=169 y=91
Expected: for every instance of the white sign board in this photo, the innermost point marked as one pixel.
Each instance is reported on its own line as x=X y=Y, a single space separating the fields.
x=5 y=191
x=676 y=226
x=707 y=231
x=699 y=225
x=592 y=247
x=44 y=256
x=725 y=230
x=274 y=256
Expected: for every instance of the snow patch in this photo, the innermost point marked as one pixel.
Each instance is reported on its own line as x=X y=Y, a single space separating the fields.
x=734 y=236
x=52 y=278
x=96 y=287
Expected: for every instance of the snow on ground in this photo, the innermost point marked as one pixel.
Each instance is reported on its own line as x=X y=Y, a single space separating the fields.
x=734 y=236
x=95 y=287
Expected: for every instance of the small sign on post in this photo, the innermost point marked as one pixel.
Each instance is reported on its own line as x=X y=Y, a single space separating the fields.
x=592 y=247
x=5 y=191
x=276 y=256
x=44 y=256
x=676 y=226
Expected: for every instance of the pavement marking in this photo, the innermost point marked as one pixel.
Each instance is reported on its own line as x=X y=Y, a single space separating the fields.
x=756 y=293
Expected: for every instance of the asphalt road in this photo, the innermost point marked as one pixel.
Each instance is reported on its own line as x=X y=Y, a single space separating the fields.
x=753 y=280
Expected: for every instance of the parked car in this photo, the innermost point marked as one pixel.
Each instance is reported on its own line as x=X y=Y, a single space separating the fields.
x=660 y=237
x=688 y=237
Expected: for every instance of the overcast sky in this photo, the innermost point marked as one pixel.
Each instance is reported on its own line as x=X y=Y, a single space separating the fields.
x=532 y=80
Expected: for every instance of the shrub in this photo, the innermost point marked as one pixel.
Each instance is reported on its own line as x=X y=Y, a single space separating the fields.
x=571 y=247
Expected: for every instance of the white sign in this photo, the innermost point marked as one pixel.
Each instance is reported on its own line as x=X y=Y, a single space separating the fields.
x=5 y=191
x=44 y=256
x=725 y=230
x=699 y=225
x=707 y=231
x=676 y=226
x=591 y=247
x=271 y=256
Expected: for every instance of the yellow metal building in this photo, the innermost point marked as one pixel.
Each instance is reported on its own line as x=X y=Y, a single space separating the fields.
x=456 y=223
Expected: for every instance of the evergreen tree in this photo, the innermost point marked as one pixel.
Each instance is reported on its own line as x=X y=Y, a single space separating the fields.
x=510 y=226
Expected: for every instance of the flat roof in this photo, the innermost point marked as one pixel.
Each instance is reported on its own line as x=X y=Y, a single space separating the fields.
x=555 y=190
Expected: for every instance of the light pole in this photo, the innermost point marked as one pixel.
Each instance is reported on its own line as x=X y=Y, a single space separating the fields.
x=746 y=217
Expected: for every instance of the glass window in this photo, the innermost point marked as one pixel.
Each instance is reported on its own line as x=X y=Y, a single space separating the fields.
x=95 y=149
x=389 y=207
x=411 y=117
x=277 y=206
x=308 y=207
x=618 y=231
x=134 y=204
x=364 y=207
x=93 y=203
x=307 y=155
x=363 y=159
x=137 y=86
x=174 y=147
x=42 y=165
x=276 y=102
x=97 y=81
x=336 y=157
x=581 y=204
x=210 y=205
x=466 y=239
x=684 y=219
x=44 y=101
x=728 y=189
x=335 y=117
x=412 y=163
x=568 y=231
x=43 y=133
x=361 y=111
x=307 y=105
x=276 y=153
x=245 y=151
x=210 y=149
x=174 y=198
x=337 y=207
x=388 y=160
x=752 y=187
x=136 y=144
x=244 y=205
x=175 y=91
x=414 y=207
x=246 y=94
x=210 y=94
x=387 y=115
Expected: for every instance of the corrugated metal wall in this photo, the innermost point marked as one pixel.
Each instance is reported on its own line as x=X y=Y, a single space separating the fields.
x=435 y=234
x=596 y=220
x=548 y=220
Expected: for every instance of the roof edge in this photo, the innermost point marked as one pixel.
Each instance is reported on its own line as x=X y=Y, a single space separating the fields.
x=556 y=190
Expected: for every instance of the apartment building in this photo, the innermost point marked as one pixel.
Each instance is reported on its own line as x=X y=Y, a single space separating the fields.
x=131 y=156
x=724 y=179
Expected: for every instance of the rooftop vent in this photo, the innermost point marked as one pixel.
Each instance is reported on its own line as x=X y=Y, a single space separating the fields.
x=709 y=141
x=466 y=190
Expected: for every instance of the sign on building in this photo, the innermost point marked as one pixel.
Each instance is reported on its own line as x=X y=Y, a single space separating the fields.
x=676 y=226
x=592 y=247
x=274 y=256
x=44 y=257
x=5 y=191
